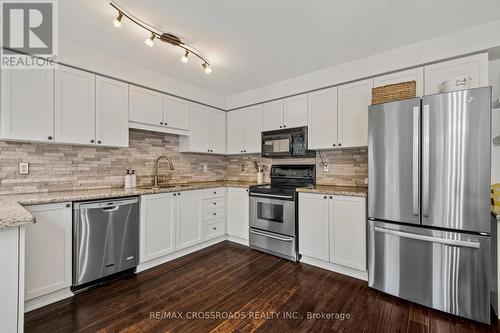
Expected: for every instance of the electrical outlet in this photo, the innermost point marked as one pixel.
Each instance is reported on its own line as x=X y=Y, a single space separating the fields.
x=24 y=168
x=242 y=167
x=205 y=167
x=326 y=167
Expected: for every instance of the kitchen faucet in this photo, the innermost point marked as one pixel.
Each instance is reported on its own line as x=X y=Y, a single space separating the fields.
x=157 y=165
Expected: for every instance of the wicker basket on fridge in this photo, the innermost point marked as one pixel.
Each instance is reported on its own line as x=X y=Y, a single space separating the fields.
x=394 y=92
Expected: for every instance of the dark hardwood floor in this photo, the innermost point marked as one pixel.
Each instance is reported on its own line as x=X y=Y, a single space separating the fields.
x=230 y=279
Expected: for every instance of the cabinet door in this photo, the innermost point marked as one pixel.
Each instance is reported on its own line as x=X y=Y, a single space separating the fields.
x=75 y=106
x=348 y=231
x=237 y=213
x=48 y=250
x=474 y=67
x=188 y=222
x=217 y=131
x=253 y=129
x=354 y=99
x=198 y=140
x=322 y=119
x=415 y=74
x=145 y=106
x=236 y=131
x=157 y=226
x=176 y=113
x=27 y=104
x=10 y=261
x=314 y=226
x=272 y=115
x=295 y=111
x=111 y=112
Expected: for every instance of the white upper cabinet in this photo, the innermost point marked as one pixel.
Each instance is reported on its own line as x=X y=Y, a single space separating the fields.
x=208 y=131
x=322 y=119
x=176 y=113
x=74 y=106
x=157 y=226
x=145 y=106
x=188 y=222
x=244 y=129
x=111 y=112
x=295 y=111
x=348 y=231
x=314 y=224
x=217 y=131
x=474 y=68
x=272 y=115
x=354 y=99
x=48 y=250
x=253 y=129
x=27 y=105
x=236 y=132
x=415 y=74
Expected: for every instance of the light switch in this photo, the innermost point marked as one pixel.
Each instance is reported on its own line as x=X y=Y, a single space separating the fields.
x=205 y=167
x=24 y=168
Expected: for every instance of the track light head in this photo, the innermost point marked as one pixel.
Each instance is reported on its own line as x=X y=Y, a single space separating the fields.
x=117 y=22
x=150 y=41
x=207 y=68
x=184 y=58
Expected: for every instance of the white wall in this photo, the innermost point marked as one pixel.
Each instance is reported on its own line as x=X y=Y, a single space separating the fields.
x=77 y=55
x=495 y=150
x=463 y=42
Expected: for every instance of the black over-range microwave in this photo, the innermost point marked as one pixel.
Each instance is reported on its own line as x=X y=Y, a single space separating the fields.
x=289 y=142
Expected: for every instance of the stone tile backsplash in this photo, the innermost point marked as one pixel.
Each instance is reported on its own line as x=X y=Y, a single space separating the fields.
x=66 y=167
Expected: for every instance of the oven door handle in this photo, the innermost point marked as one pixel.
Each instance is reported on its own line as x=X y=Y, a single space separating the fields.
x=277 y=196
x=287 y=239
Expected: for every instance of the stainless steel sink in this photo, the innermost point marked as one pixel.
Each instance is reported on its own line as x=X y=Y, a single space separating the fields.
x=162 y=186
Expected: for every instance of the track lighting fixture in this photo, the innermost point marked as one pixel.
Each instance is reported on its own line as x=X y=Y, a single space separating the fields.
x=184 y=58
x=118 y=21
x=150 y=41
x=161 y=36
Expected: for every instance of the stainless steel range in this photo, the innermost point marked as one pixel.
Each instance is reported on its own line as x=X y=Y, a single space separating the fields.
x=273 y=210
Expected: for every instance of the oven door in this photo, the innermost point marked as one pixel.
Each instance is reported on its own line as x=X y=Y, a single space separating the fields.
x=272 y=212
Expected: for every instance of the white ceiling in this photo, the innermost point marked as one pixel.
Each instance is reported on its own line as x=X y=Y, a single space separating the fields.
x=254 y=43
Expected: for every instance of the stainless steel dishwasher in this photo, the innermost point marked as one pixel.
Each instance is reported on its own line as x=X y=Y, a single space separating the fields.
x=105 y=240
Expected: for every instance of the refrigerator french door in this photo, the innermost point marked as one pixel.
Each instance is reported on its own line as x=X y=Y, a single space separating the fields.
x=428 y=201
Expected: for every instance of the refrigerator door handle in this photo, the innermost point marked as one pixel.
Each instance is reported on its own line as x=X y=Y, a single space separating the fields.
x=416 y=162
x=425 y=163
x=452 y=242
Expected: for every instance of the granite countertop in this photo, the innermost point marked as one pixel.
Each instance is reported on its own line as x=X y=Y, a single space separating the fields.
x=12 y=212
x=335 y=190
x=495 y=210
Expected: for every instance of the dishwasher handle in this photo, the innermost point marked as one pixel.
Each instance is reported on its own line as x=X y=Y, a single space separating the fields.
x=106 y=204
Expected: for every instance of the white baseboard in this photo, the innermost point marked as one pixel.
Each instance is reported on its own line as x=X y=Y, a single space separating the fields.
x=161 y=260
x=237 y=240
x=362 y=275
x=53 y=297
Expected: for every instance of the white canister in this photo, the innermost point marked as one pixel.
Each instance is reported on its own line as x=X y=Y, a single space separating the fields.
x=260 y=177
x=456 y=83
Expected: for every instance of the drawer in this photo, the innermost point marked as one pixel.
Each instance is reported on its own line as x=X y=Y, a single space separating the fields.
x=214 y=203
x=213 y=230
x=214 y=193
x=214 y=214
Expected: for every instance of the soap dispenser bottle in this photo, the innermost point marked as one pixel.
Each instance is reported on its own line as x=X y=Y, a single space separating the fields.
x=128 y=180
x=133 y=179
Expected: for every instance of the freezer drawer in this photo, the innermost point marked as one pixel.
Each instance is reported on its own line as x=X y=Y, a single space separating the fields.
x=443 y=270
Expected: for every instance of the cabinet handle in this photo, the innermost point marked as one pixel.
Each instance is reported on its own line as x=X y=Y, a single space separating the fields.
x=68 y=205
x=178 y=194
x=91 y=140
x=281 y=126
x=246 y=190
x=50 y=137
x=215 y=203
x=175 y=194
x=331 y=197
x=166 y=123
x=284 y=126
x=215 y=228
x=99 y=142
x=244 y=151
x=215 y=192
x=161 y=122
x=334 y=144
x=241 y=151
x=324 y=197
x=215 y=214
x=340 y=144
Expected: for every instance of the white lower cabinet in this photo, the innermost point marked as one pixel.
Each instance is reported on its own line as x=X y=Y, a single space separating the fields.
x=157 y=223
x=332 y=229
x=188 y=222
x=237 y=213
x=48 y=268
x=12 y=279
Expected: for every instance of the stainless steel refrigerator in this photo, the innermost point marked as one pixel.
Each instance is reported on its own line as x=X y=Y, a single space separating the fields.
x=429 y=201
